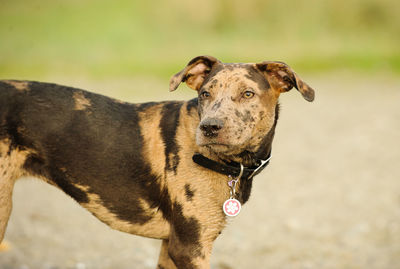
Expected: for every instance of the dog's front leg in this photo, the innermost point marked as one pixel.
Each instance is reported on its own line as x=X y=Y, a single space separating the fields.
x=181 y=255
x=165 y=261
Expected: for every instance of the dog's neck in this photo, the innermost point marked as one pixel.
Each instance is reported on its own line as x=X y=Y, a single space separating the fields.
x=246 y=158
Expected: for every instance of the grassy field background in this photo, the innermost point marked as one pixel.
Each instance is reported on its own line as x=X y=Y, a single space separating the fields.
x=122 y=39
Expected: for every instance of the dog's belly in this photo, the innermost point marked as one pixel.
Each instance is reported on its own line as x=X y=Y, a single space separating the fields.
x=155 y=225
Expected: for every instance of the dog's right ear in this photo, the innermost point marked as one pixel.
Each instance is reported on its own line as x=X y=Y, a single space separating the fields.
x=194 y=73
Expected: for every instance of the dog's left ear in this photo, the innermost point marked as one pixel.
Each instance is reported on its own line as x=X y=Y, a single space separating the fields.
x=282 y=78
x=194 y=73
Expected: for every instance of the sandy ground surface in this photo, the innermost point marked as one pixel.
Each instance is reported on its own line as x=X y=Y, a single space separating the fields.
x=329 y=199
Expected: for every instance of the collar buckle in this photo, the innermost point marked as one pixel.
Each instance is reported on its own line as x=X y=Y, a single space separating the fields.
x=261 y=166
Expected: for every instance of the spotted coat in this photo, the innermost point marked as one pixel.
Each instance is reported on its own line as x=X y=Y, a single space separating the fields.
x=131 y=165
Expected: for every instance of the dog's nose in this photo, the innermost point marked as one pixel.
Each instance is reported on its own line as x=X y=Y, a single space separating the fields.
x=211 y=126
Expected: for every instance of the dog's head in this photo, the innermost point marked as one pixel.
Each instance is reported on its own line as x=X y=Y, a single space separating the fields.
x=237 y=101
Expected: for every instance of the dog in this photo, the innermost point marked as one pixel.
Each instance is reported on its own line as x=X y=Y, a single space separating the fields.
x=163 y=170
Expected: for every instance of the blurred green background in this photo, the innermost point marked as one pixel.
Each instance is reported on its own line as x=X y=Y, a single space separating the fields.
x=98 y=39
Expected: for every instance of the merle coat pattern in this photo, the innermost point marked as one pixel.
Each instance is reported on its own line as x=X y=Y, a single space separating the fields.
x=131 y=165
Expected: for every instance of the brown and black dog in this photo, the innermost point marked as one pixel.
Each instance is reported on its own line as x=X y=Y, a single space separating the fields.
x=158 y=170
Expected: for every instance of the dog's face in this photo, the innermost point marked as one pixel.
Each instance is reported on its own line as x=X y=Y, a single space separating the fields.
x=237 y=101
x=236 y=109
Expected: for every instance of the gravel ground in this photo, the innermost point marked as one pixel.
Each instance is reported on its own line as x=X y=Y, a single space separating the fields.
x=329 y=199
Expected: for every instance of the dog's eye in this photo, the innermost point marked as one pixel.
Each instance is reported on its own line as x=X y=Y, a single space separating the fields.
x=248 y=94
x=205 y=94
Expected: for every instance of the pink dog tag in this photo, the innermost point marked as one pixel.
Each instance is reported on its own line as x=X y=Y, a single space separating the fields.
x=232 y=207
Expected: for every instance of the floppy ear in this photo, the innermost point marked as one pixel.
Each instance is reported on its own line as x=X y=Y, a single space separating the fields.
x=194 y=73
x=282 y=78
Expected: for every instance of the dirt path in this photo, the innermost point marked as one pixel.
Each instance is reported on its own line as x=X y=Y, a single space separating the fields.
x=329 y=199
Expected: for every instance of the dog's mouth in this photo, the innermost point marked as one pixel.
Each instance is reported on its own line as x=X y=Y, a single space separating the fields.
x=206 y=141
x=215 y=145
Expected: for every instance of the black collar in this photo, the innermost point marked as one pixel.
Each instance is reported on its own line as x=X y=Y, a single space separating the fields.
x=232 y=168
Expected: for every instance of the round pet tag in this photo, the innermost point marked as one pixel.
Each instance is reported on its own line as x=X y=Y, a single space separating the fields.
x=232 y=207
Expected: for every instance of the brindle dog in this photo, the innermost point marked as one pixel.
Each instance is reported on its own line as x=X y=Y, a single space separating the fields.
x=131 y=165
